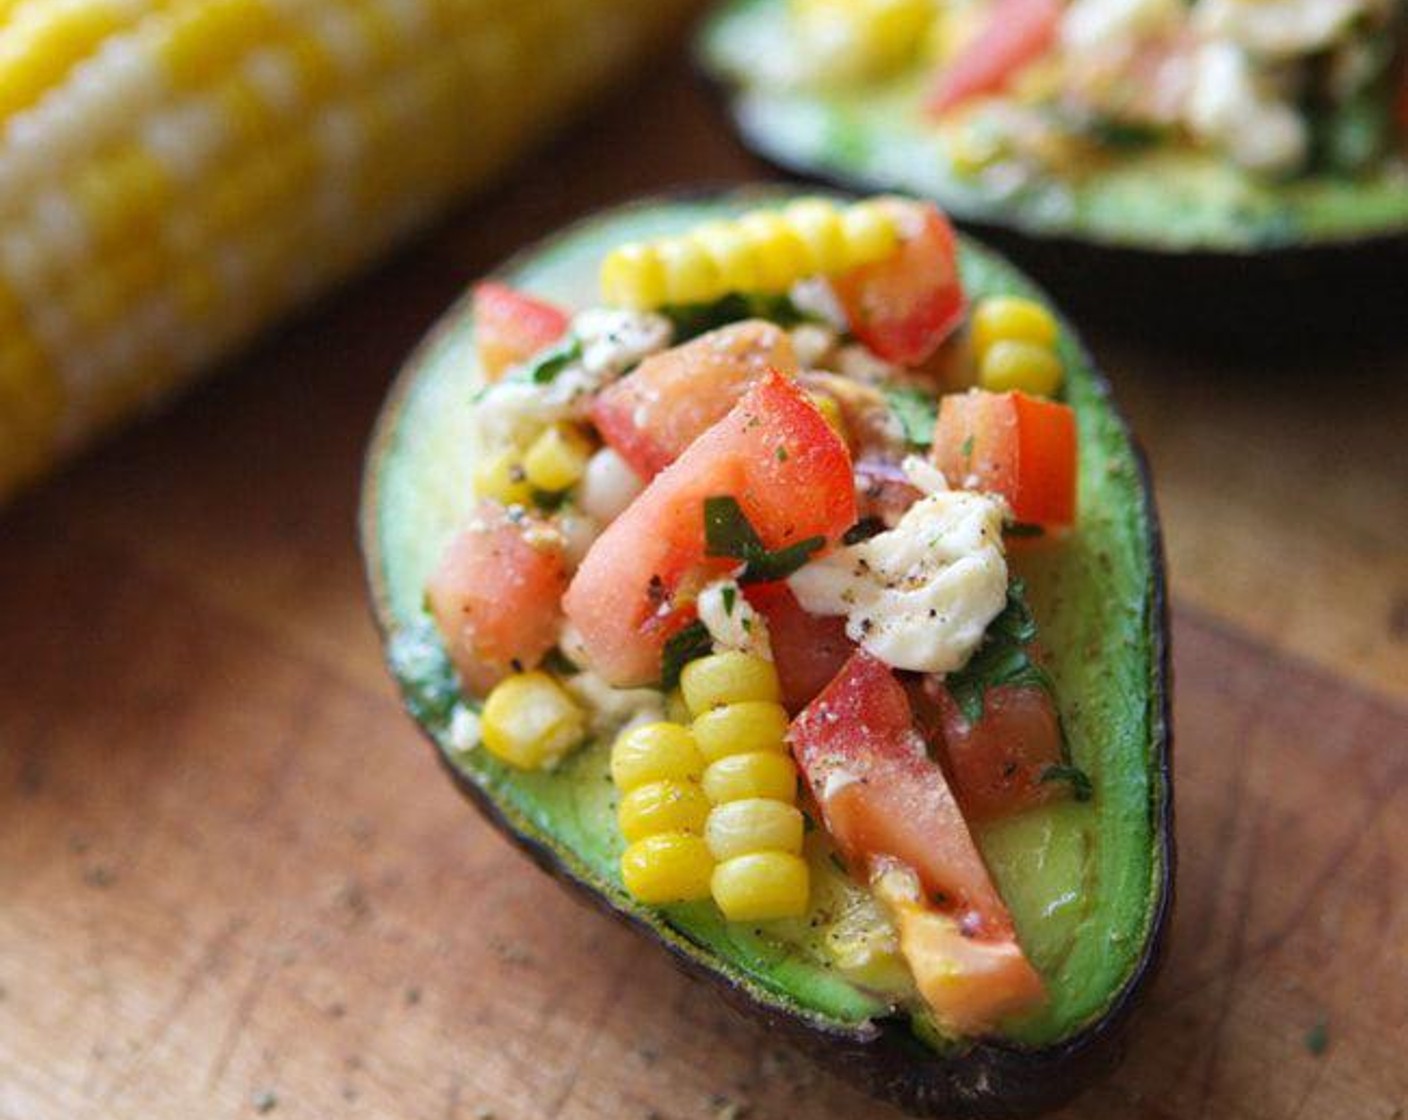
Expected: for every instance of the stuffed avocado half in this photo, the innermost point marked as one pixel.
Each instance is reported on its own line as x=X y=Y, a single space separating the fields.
x=1235 y=127
x=802 y=606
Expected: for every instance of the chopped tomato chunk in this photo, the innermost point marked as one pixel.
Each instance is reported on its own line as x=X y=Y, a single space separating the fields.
x=1017 y=33
x=1021 y=447
x=791 y=476
x=510 y=327
x=652 y=414
x=808 y=649
x=904 y=306
x=496 y=598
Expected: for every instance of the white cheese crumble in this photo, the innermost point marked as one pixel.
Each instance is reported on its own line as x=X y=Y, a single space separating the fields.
x=612 y=709
x=1090 y=24
x=732 y=622
x=1228 y=107
x=465 y=731
x=1282 y=28
x=613 y=341
x=920 y=595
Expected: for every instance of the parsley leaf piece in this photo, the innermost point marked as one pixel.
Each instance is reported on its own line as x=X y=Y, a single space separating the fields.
x=728 y=532
x=1081 y=786
x=680 y=649
x=543 y=368
x=917 y=413
x=1001 y=659
x=730 y=596
x=1022 y=530
x=693 y=319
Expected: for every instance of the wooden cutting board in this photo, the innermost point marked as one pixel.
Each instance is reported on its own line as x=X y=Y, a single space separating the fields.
x=234 y=883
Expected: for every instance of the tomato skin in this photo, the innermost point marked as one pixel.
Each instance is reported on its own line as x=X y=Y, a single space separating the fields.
x=1017 y=33
x=495 y=598
x=653 y=413
x=904 y=306
x=633 y=588
x=510 y=327
x=808 y=649
x=1012 y=444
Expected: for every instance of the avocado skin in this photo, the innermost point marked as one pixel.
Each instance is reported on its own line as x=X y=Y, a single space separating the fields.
x=985 y=1079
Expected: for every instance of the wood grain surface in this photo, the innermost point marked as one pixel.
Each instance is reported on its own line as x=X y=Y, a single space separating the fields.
x=234 y=883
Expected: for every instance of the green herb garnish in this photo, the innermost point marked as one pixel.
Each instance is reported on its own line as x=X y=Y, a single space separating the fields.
x=730 y=596
x=1317 y=1038
x=1001 y=659
x=680 y=649
x=1081 y=787
x=917 y=413
x=1022 y=529
x=728 y=532
x=543 y=368
x=693 y=319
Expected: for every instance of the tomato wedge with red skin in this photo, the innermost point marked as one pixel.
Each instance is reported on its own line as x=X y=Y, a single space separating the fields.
x=808 y=650
x=653 y=413
x=1017 y=33
x=1012 y=444
x=510 y=327
x=790 y=474
x=904 y=306
x=496 y=598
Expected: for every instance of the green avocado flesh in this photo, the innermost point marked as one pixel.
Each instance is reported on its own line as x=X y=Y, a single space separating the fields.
x=1084 y=880
x=876 y=136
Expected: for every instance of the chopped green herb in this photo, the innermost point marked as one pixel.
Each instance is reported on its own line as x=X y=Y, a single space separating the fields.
x=917 y=413
x=863 y=530
x=1080 y=781
x=967 y=448
x=1022 y=529
x=1001 y=659
x=543 y=368
x=728 y=532
x=558 y=662
x=689 y=644
x=695 y=319
x=781 y=453
x=838 y=863
x=730 y=597
x=1317 y=1038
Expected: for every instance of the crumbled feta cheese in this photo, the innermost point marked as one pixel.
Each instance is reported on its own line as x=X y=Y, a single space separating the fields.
x=612 y=709
x=613 y=341
x=732 y=622
x=924 y=475
x=865 y=365
x=465 y=730
x=1227 y=107
x=813 y=344
x=608 y=486
x=1093 y=24
x=512 y=413
x=814 y=296
x=1282 y=28
x=920 y=595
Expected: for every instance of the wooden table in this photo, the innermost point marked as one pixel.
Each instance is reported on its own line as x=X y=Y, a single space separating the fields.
x=233 y=881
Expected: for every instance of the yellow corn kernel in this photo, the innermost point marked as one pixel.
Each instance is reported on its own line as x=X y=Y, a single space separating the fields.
x=761 y=886
x=691 y=275
x=664 y=806
x=732 y=253
x=830 y=409
x=557 y=458
x=1012 y=319
x=501 y=478
x=529 y=721
x=870 y=233
x=781 y=256
x=817 y=224
x=728 y=678
x=1020 y=365
x=755 y=824
x=667 y=867
x=654 y=752
x=766 y=774
x=740 y=728
x=633 y=276
x=676 y=710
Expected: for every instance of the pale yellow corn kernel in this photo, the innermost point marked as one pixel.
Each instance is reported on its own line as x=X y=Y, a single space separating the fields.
x=728 y=678
x=632 y=276
x=732 y=253
x=691 y=275
x=817 y=224
x=781 y=256
x=971 y=149
x=870 y=233
x=761 y=887
x=676 y=710
x=529 y=721
x=831 y=412
x=749 y=725
x=667 y=867
x=557 y=458
x=501 y=478
x=664 y=806
x=1012 y=319
x=754 y=824
x=765 y=774
x=654 y=752
x=1020 y=365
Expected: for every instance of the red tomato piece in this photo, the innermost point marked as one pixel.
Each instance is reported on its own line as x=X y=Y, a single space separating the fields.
x=1021 y=447
x=496 y=598
x=653 y=413
x=807 y=649
x=1016 y=34
x=904 y=306
x=791 y=475
x=510 y=327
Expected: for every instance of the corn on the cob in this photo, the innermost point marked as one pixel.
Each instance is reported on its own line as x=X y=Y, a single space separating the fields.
x=173 y=173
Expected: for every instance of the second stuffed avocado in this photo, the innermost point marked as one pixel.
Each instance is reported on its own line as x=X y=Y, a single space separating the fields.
x=633 y=564
x=1237 y=127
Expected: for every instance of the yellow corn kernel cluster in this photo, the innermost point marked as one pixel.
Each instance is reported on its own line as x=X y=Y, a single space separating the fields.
x=554 y=461
x=531 y=722
x=861 y=38
x=1014 y=344
x=754 y=829
x=176 y=173
x=764 y=251
x=661 y=813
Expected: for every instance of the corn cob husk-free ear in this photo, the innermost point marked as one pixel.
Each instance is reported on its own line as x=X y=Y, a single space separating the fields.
x=176 y=173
